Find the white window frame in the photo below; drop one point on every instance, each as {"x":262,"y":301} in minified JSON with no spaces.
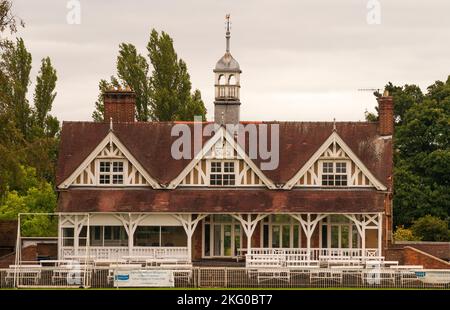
{"x":111,"y":174}
{"x":351,"y":227}
{"x":222,"y":173}
{"x":334,"y":173}
{"x":211,"y":224}
{"x":292,"y":222}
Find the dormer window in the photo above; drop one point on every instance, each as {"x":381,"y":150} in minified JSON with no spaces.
{"x":222,"y":173}
{"x":111,"y":172}
{"x":334,"y":173}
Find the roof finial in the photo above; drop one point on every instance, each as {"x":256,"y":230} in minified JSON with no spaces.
{"x":334,"y":124}
{"x":110,"y":124}
{"x":228,"y":35}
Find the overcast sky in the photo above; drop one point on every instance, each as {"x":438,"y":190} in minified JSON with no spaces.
{"x":301,"y":60}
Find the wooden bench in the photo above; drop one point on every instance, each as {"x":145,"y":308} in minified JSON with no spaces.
{"x":343,"y":262}
{"x":264,"y":274}
{"x":302,"y":263}
{"x":407,"y":273}
{"x":264,"y":260}
{"x":107,"y":262}
{"x":24,"y":272}
{"x":73,"y":276}
{"x":322,"y":274}
{"x":375,"y":276}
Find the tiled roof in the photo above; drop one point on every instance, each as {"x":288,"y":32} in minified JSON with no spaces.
{"x":150,"y":143}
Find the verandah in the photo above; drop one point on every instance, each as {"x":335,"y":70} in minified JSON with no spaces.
{"x":119,"y":235}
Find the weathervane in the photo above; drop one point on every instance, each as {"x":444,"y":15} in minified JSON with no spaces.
{"x":228,"y":35}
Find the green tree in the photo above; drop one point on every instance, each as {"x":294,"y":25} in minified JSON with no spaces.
{"x":7,"y":18}
{"x":44,"y":95}
{"x":33,"y":196}
{"x":422,"y":151}
{"x":404,"y":97}
{"x":103,"y":85}
{"x":170,"y":81}
{"x":404,"y":234}
{"x":195,"y":107}
{"x":28,"y":135}
{"x":15,"y":67}
{"x":132,"y":69}
{"x":165,"y":95}
{"x":431,"y":228}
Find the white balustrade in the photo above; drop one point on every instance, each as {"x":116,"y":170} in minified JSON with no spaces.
{"x":317,"y":252}
{"x":180,"y":253}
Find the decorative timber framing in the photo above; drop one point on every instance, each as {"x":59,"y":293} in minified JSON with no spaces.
{"x":75,"y":221}
{"x":130,"y":222}
{"x":312,"y":166}
{"x":224,"y":137}
{"x":368,"y":221}
{"x":103,"y":151}
{"x":308,"y":225}
{"x":189,"y":225}
{"x":249,"y":225}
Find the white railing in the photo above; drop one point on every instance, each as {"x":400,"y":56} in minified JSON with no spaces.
{"x":233,"y":277}
{"x":113,"y":253}
{"x":316,"y":253}
{"x":161,"y":252}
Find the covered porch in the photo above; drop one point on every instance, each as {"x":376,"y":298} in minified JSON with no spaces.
{"x":187,"y":237}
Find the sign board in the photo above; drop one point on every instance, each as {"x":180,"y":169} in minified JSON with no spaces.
{"x":434,"y":276}
{"x":143,"y":278}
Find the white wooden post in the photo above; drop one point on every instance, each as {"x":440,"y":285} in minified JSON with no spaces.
{"x":59,"y":238}
{"x":78,"y":226}
{"x":363,"y":237}
{"x":368,"y":221}
{"x":361,"y":227}
{"x":380,"y":232}
{"x":88,"y":253}
{"x":189,"y":226}
{"x":128,"y":229}
{"x":308,"y":227}
{"x":75,"y":235}
{"x":130,"y":225}
{"x":18,"y":259}
{"x":249,"y":226}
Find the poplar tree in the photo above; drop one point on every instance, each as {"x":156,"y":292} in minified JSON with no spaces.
{"x":165,"y":94}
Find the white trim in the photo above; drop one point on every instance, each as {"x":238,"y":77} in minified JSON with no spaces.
{"x":189,"y":225}
{"x":334,"y":137}
{"x":221,"y":133}
{"x":249,"y":226}
{"x":110,"y":138}
{"x":234,"y":223}
{"x":270,"y":224}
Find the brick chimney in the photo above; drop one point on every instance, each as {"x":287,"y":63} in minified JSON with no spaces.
{"x":386,"y":115}
{"x":119,"y":105}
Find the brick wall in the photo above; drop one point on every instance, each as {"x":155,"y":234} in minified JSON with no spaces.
{"x":31,"y":253}
{"x":438,"y":249}
{"x":119,"y":106}
{"x":411,"y":256}
{"x":28,"y":254}
{"x":386,"y":115}
{"x":197,"y":242}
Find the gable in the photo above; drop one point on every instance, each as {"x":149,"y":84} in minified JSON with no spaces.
{"x":150,"y":144}
{"x":333,"y":151}
{"x":109,"y":164}
{"x":221,"y":148}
